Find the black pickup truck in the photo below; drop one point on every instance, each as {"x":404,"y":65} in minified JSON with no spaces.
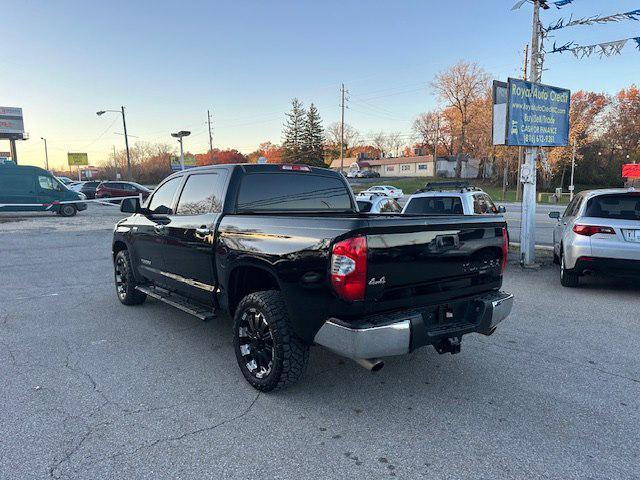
{"x":284,"y":251}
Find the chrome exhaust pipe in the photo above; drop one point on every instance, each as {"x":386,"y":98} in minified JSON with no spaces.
{"x":371,"y":364}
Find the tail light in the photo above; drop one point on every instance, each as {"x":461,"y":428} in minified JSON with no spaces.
{"x":296,"y":168}
{"x":588,"y":230}
{"x":349,"y":268}
{"x":505,"y":249}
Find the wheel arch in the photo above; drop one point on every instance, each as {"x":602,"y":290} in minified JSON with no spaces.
{"x":248,"y":278}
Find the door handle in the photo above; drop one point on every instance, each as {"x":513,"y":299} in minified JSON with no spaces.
{"x":203,"y":232}
{"x":160,"y":229}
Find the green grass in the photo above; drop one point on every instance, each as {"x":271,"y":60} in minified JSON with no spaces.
{"x":410,"y":185}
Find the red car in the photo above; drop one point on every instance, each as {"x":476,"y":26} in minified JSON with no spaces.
{"x":121,"y":189}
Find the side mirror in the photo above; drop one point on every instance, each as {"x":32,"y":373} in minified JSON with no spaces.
{"x":130,"y":205}
{"x":555,"y":215}
{"x":502,"y":209}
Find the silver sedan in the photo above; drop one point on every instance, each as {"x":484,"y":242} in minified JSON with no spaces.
{"x":599,"y":232}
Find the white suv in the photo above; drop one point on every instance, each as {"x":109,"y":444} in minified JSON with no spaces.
{"x":599,"y":232}
{"x":451,"y":198}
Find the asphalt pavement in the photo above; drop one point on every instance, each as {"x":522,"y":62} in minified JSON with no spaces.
{"x":92,"y":389}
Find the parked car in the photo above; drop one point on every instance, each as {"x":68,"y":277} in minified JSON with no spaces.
{"x":367,"y":174}
{"x":89,"y":188}
{"x":377,"y":204}
{"x":121,"y":189}
{"x":386,"y":190}
{"x":598,"y":233}
{"x":75,"y":186}
{"x":34,"y":189}
{"x":451,"y":198}
{"x":65,"y":180}
{"x":284,"y":251}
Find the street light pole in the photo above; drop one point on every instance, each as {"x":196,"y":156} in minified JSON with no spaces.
{"x":573,"y":167}
{"x":180,"y":135}
{"x":46,"y":154}
{"x":126,"y":137}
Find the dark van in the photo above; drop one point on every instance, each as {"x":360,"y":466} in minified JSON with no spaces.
{"x":33,"y":189}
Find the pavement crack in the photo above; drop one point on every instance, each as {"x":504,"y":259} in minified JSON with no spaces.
{"x":177,"y":438}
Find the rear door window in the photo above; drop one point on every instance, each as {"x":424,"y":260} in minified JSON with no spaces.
{"x":202,"y":194}
{"x":162,"y":200}
{"x":618,"y":207}
{"x":435,"y":206}
{"x":293,"y":192}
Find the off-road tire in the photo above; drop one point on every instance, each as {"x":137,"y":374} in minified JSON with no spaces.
{"x":125,"y":280}
{"x":568,"y":278}
{"x":289,"y":353}
{"x":67,"y":210}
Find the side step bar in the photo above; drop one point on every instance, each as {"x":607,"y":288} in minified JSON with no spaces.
{"x":178,"y":301}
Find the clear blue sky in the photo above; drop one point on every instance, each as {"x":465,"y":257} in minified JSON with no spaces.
{"x":167,"y":62}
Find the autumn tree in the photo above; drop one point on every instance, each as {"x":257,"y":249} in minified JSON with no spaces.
{"x":623,"y":121}
{"x":293,"y":132}
{"x":460,"y":87}
{"x":312,"y":149}
{"x":585,"y":120}
{"x":268,"y":150}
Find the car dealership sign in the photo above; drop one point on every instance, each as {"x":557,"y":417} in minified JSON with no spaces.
{"x":11,"y":122}
{"x":537,"y":115}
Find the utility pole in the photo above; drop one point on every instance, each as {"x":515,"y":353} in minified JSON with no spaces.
{"x":528,"y":171}
{"x":342,"y":131}
{"x":520,"y":149}
{"x":573,"y":167}
{"x":210,"y":135}
{"x":46,"y":154}
{"x":126,"y":144}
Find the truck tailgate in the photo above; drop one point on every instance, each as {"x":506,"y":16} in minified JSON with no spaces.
{"x":417,"y":260}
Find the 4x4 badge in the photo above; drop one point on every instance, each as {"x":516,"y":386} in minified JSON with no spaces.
{"x":382,"y":281}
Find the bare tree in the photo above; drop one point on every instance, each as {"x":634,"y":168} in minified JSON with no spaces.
{"x":381,"y":142}
{"x":351,"y":138}
{"x":395,"y":141}
{"x":460,"y":87}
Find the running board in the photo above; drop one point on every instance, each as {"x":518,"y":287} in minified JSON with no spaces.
{"x":178,"y":301}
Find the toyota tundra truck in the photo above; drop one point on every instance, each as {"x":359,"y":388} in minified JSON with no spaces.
{"x":285,"y":252}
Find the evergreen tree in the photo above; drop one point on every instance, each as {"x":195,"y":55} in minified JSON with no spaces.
{"x":313,"y":139}
{"x":293,"y":132}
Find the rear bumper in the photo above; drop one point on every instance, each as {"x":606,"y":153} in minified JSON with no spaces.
{"x":607,"y":266}
{"x":402,"y":332}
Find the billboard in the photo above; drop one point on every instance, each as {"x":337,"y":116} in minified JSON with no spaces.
{"x":78,"y":159}
{"x":11,"y":123}
{"x":499,"y":119}
{"x":537,"y":115}
{"x":189,"y":162}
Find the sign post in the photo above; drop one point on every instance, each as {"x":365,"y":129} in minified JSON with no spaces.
{"x":77,"y":159}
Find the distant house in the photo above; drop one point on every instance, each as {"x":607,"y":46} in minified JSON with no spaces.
{"x":416,"y":166}
{"x":420,"y":166}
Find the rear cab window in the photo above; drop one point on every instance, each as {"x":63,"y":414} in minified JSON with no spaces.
{"x":297,"y":192}
{"x":440,"y":205}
